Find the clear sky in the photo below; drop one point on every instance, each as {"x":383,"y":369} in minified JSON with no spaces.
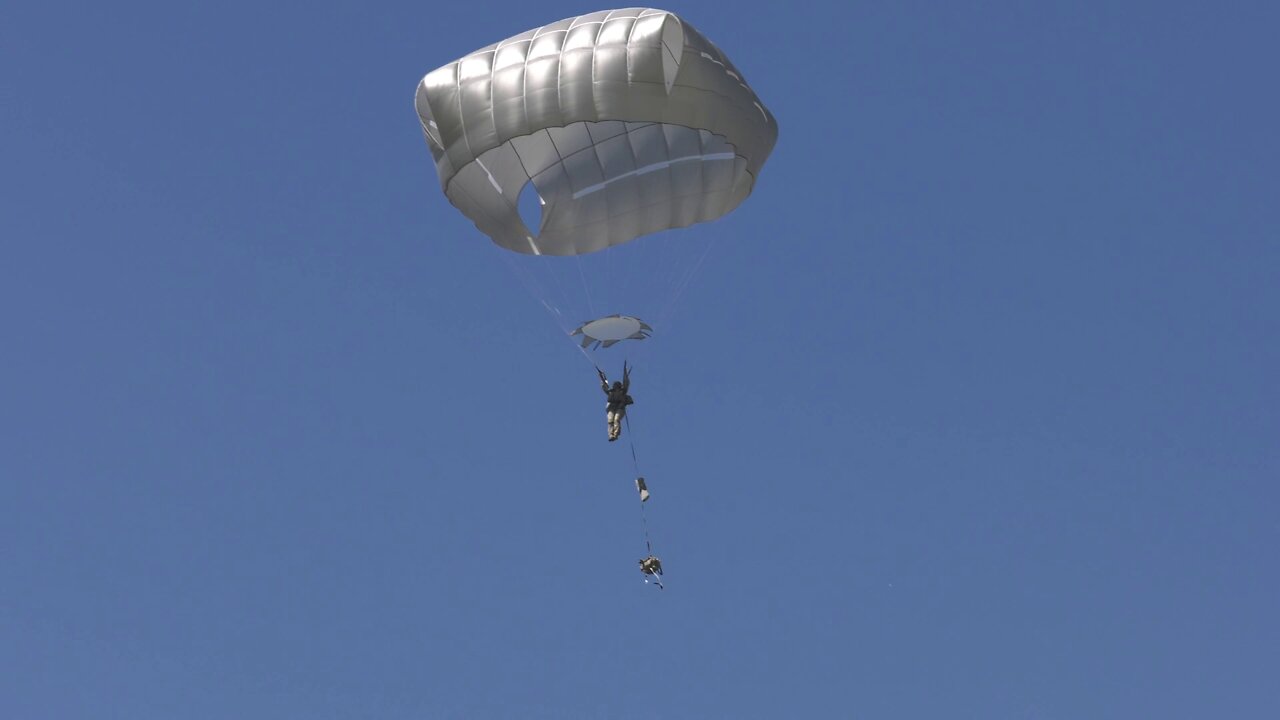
{"x":972,"y":411}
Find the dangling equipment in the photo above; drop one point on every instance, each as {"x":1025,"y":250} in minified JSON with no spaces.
{"x":651,"y":566}
{"x":652,"y":569}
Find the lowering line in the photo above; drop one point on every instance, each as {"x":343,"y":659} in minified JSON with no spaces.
{"x":631,"y":440}
{"x":635,"y":465}
{"x":651,"y":566}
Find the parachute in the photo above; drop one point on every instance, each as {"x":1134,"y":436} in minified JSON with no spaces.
{"x":568,"y":142}
{"x":623,"y":122}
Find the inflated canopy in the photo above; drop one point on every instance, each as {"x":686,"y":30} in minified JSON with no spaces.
{"x":623,"y":122}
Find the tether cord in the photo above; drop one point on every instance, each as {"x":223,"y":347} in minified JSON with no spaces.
{"x":635,"y":464}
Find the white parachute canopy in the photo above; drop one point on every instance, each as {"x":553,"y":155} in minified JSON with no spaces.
{"x":566,"y":142}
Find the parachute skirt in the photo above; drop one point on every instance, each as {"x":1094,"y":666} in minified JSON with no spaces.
{"x":611,"y":330}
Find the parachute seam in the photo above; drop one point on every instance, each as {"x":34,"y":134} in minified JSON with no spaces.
{"x":595,"y":153}
{"x":528,"y":181}
{"x":559,"y":70}
{"x":635,"y":162}
{"x":493,"y":64}
{"x":524,"y":98}
{"x":631,"y":34}
{"x":559,"y":159}
{"x":462,"y":117}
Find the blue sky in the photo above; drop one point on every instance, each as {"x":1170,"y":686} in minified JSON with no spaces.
{"x":970,"y":413}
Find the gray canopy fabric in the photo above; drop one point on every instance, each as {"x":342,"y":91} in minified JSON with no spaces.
{"x":624,"y":122}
